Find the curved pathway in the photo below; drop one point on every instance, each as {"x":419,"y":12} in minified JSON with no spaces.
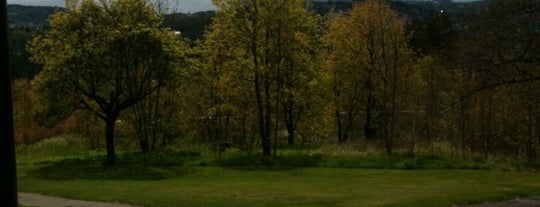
{"x":533,"y":201}
{"x":38,"y":200}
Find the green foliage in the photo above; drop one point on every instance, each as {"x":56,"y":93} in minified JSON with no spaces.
{"x":260,"y":72}
{"x":94,"y":72}
{"x":51,"y":149}
{"x":256,"y":80}
{"x":103,"y":58}
{"x":369,"y":62}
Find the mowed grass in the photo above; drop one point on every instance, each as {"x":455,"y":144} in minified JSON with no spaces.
{"x":187,"y":179}
{"x":216,"y":186}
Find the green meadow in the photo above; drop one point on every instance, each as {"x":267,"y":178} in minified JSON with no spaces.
{"x":186,"y":177}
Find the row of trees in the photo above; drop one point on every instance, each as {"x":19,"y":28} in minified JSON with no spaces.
{"x":270,"y":72}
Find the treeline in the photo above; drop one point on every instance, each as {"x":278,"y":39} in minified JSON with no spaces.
{"x":270,"y":73}
{"x":26,"y":21}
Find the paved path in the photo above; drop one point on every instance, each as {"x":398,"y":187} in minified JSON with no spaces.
{"x":38,"y":200}
{"x":518,"y":202}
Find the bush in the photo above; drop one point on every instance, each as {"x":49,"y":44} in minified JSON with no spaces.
{"x":56,"y":147}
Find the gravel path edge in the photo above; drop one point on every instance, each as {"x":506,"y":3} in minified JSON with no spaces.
{"x":39,"y":200}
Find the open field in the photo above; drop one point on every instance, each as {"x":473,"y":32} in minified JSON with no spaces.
{"x":187,"y":179}
{"x":215,"y":186}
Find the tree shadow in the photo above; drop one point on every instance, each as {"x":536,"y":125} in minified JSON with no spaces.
{"x":277,"y":163}
{"x":94,"y":169}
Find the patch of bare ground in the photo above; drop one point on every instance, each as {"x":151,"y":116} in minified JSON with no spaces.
{"x":533,"y":201}
{"x":38,"y":200}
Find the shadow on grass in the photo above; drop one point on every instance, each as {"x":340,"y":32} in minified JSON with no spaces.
{"x":134,"y":166}
{"x":397,"y":161}
{"x":405,"y":162}
{"x":277,"y":163}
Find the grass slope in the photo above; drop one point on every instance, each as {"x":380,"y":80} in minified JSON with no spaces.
{"x":215,"y":186}
{"x":189,"y":179}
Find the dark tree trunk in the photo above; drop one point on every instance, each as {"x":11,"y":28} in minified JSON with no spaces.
{"x":263,"y":115}
{"x":290,"y":128}
{"x":463,"y":108}
{"x":291,"y":120}
{"x":370,"y":131}
{"x":9,"y":175}
{"x":337,"y":112}
{"x":349,"y":128}
{"x":267,"y":141}
{"x":144,"y":144}
{"x":109,"y":140}
{"x":291,"y":137}
{"x":339,"y":127}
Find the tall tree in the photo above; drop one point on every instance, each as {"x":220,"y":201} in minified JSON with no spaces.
{"x":7,"y":161}
{"x":271,"y":44}
{"x":101,"y":57}
{"x":498,"y":58}
{"x":371,"y":45}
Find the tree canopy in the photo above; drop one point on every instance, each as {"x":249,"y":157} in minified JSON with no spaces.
{"x":272,"y":47}
{"x":104,"y":58}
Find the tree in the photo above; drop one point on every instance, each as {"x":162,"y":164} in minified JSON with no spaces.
{"x":370,"y":53}
{"x":498,"y":58}
{"x":502,"y":44}
{"x":8,"y":146}
{"x":21,"y":66}
{"x":433,"y":34}
{"x":271,"y":52}
{"x":101,"y":57}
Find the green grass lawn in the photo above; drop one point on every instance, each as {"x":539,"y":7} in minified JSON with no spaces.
{"x":215,"y":186}
{"x":190,"y":179}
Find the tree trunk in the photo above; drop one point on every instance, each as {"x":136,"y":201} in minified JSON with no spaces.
{"x":267,"y":140}
{"x":531,"y":144}
{"x":370,"y":132}
{"x":109,"y":140}
{"x":144,"y":144}
{"x":337,"y":112}
{"x":290,"y":121}
{"x":349,"y":128}
{"x":339,"y":126}
{"x":9,"y":175}
{"x":462,"y":127}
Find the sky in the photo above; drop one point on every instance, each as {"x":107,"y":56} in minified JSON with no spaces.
{"x":184,"y":6}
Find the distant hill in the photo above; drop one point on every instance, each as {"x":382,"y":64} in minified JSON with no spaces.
{"x":192,"y":25}
{"x":411,"y":9}
{"x":19,"y":15}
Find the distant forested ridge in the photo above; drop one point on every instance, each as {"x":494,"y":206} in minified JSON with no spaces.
{"x":193,"y":24}
{"x":19,"y":15}
{"x":25,"y":21}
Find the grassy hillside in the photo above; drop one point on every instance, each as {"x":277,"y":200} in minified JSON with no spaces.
{"x":188,"y":177}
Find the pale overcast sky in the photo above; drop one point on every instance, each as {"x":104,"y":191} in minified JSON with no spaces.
{"x":182,"y":5}
{"x":178,"y":5}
